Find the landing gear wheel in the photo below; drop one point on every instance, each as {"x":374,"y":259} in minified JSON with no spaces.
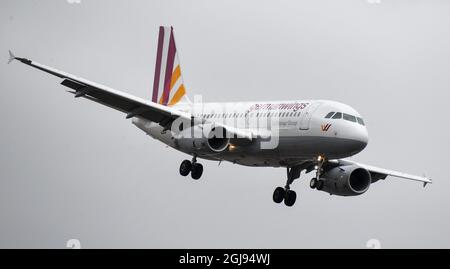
{"x":278,"y":195}
{"x":196,"y":171}
{"x":289,"y":198}
{"x":313,"y":183}
{"x":319,"y":185}
{"x":185,"y":167}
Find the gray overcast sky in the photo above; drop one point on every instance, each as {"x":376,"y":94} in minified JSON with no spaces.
{"x":74,"y":169}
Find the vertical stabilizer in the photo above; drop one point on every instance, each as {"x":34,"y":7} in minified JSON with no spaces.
{"x":168,"y":85}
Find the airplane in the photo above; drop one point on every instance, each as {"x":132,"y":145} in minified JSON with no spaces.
{"x":297,"y":135}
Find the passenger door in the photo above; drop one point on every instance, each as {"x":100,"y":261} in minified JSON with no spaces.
{"x":305,"y":119}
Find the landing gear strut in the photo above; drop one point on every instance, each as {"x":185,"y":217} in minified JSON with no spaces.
{"x":289,"y":196}
{"x":196,"y":169}
{"x":317,"y":182}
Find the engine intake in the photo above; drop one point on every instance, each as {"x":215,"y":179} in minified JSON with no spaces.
{"x":194,"y":139}
{"x":347,"y":180}
{"x":218,"y":140}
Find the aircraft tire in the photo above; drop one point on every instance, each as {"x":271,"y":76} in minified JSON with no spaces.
{"x":197,"y":171}
{"x":319,"y":185}
{"x":289,"y":198}
{"x":185,"y":167}
{"x":278,"y":195}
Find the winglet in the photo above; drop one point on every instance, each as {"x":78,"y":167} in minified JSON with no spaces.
{"x":11,"y":57}
{"x":425,"y":183}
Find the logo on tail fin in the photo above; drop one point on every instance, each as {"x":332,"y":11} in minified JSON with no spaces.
{"x":168,"y":86}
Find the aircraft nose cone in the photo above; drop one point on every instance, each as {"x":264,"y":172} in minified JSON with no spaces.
{"x":358,"y":140}
{"x":363,"y":139}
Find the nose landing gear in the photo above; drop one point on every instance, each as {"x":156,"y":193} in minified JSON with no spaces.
{"x":317,"y":182}
{"x":196,"y":169}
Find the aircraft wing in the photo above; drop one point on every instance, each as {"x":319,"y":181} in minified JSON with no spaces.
{"x":131,"y":105}
{"x":381,"y":173}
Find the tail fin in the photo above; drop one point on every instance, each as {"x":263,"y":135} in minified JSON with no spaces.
{"x":168,"y":85}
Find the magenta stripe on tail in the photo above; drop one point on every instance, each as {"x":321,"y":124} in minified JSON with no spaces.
{"x":169,"y":68}
{"x":158,"y":65}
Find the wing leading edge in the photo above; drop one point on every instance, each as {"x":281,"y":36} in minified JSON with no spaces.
{"x":381,"y":173}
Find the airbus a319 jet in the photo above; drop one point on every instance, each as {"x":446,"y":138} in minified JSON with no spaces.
{"x":298,"y":135}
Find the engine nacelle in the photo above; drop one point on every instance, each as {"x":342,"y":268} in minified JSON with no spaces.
{"x":347,"y":180}
{"x":205,"y":139}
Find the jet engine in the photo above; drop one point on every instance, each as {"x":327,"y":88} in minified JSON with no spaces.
{"x":203,"y":138}
{"x":347,"y":180}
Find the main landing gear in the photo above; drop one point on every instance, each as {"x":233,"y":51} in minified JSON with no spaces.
{"x":289,"y":196}
{"x":192,"y":167}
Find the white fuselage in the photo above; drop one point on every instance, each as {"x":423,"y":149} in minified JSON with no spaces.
{"x":293,"y":131}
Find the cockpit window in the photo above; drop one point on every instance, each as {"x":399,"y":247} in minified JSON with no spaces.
{"x":349,"y":117}
{"x":338,"y":115}
{"x":360,"y":121}
{"x":329,"y":115}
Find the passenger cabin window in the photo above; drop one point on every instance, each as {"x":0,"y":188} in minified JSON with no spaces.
{"x":329,"y":115}
{"x":338,"y":115}
{"x":349,"y":117}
